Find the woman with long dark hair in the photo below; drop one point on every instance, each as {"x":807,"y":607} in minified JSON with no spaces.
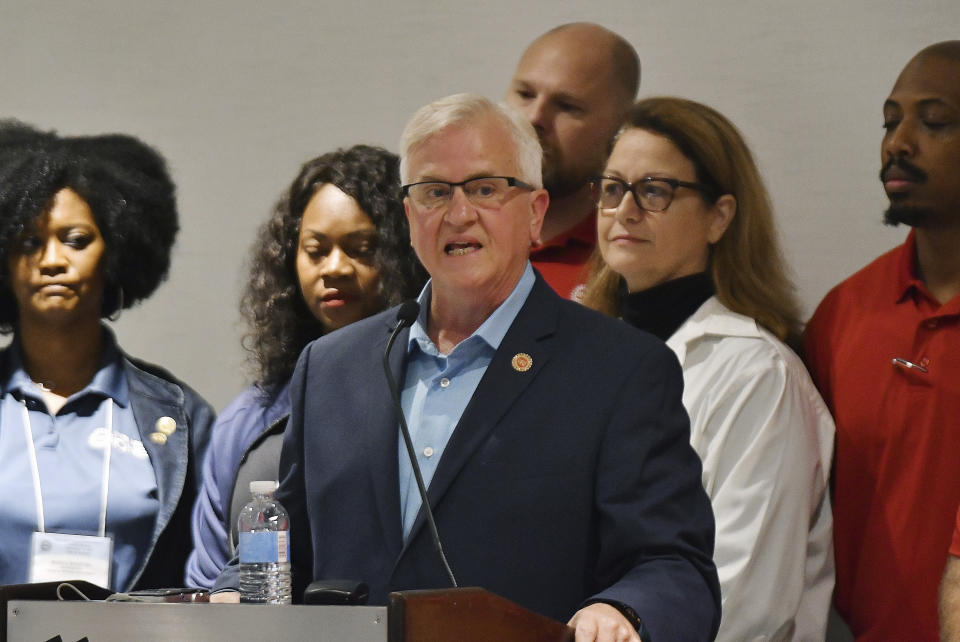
{"x":335,"y":251}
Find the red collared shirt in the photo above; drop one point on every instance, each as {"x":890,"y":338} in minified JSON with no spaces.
{"x":562,"y":261}
{"x":896,"y":476}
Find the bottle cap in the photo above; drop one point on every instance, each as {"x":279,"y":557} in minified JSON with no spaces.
{"x":267,"y":486}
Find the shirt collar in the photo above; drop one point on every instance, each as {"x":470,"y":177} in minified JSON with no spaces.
{"x":491,"y":331}
{"x":909,"y":285}
{"x":108,"y":381}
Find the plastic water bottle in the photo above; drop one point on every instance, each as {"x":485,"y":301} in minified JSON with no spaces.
{"x":264,"y":547}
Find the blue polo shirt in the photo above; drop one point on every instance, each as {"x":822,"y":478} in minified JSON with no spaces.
{"x":70,"y":447}
{"x":437,"y":388}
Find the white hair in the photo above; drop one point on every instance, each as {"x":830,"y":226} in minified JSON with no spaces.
{"x":458,"y":109}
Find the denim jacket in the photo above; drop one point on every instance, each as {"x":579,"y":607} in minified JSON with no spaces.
{"x":155,"y":393}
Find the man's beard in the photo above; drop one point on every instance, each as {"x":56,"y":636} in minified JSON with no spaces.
{"x":906,"y":214}
{"x":898,"y":213}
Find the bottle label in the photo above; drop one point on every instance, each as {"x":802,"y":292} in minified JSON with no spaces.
{"x":270,"y":547}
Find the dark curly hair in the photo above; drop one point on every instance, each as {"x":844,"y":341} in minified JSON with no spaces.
{"x":124,"y":181}
{"x":280,"y":324}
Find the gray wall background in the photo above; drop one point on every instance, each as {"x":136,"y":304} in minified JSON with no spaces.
{"x":238,"y":94}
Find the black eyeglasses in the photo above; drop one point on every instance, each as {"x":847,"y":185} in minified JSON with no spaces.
{"x":488,"y":192}
{"x":652,"y":193}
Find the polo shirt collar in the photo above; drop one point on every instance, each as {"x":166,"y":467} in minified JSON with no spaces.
{"x":909,"y":284}
{"x":108,"y":381}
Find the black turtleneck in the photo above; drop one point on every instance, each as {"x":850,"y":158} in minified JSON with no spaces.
{"x":663,"y":308}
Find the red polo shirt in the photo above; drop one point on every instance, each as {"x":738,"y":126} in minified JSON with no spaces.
{"x":563,"y":259}
{"x":897,"y":471}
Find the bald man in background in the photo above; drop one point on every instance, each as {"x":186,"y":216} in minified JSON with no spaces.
{"x":575,"y":84}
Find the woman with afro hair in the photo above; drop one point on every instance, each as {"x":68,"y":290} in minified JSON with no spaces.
{"x":98,"y":451}
{"x":335,"y":250}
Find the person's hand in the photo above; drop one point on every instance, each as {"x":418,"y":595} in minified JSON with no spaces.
{"x":601,"y":622}
{"x":225,"y":597}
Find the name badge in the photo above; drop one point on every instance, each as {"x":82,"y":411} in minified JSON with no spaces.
{"x":56,"y":557}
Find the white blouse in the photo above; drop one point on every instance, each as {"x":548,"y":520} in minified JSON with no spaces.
{"x":766,"y":441}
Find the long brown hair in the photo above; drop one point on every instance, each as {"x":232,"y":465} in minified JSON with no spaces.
{"x":747,"y":265}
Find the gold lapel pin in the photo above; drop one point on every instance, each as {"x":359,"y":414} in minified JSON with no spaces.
{"x":521,"y":362}
{"x":166,"y":425}
{"x":158,"y":438}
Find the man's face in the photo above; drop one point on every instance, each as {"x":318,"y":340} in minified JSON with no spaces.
{"x":472,"y":253}
{"x":921,"y":147}
{"x":566,"y":89}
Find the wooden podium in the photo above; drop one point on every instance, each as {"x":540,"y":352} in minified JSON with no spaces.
{"x":467,"y":615}
{"x":461,"y":615}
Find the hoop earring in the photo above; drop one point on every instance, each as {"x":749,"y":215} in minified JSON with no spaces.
{"x":115,"y":315}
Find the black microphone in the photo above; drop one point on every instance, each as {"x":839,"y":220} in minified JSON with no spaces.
{"x":406,"y":315}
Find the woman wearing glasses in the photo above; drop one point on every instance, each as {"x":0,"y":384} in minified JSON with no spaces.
{"x":335,"y":251}
{"x":687,"y":250}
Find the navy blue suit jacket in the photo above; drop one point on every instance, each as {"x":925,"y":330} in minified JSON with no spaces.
{"x":570,"y":482}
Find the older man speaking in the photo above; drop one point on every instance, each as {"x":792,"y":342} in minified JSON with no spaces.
{"x":552,"y":440}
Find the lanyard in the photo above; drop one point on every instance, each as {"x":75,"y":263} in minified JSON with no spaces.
{"x":35,"y":468}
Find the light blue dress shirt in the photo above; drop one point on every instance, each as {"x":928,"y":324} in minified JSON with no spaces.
{"x":437,"y":388}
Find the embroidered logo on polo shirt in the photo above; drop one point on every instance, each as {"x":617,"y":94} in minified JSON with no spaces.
{"x":121,"y":443}
{"x":577,"y":293}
